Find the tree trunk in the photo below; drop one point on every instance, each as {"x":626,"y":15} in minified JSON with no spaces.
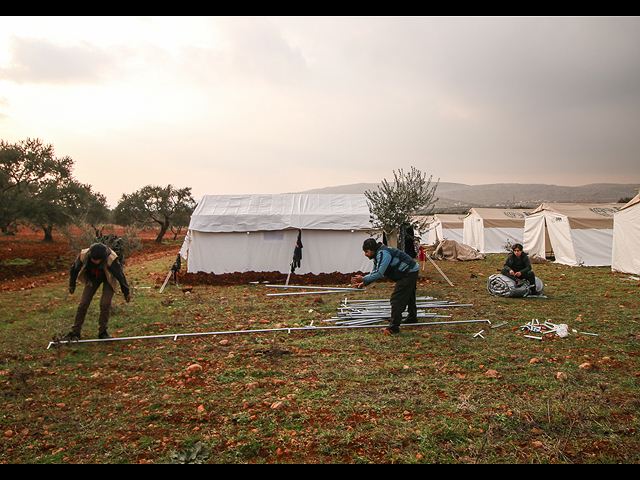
{"x":48,"y":233}
{"x":164,"y":226}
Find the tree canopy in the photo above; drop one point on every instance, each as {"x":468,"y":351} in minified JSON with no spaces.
{"x":153,"y":204}
{"x":396,"y":203}
{"x":38,"y":187}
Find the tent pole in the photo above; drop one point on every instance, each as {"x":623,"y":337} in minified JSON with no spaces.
{"x":441,"y":272}
{"x":284,"y":329}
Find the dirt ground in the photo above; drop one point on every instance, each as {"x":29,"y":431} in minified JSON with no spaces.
{"x":28,"y":262}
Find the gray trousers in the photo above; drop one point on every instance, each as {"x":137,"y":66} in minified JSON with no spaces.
{"x":105,"y":306}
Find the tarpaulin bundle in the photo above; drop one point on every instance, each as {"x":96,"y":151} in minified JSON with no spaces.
{"x":502,"y":286}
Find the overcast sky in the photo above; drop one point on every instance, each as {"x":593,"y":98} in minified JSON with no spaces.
{"x":274,"y":105}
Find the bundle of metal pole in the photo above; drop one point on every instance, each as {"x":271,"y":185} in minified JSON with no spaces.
{"x":310,"y":287}
{"x":314,"y":290}
{"x":362,"y":320}
{"x":264,"y":330}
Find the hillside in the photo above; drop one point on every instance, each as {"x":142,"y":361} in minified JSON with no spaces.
{"x":460,"y":197}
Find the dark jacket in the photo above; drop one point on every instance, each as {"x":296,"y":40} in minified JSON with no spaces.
{"x":522,"y":264}
{"x":109,"y":270}
{"x":392,"y":263}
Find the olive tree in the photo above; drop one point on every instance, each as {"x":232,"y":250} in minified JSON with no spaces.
{"x":37,"y":187}
{"x":395,"y":204}
{"x":155,"y":205}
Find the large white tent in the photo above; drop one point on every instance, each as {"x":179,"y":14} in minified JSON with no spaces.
{"x":577,"y":233}
{"x":245,"y":233}
{"x":625,"y":256}
{"x":491,"y":230}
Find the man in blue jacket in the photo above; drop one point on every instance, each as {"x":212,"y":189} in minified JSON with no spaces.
{"x":402,"y":269}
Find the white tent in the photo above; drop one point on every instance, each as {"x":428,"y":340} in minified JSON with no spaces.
{"x":244,"y":233}
{"x":490,"y":230}
{"x":625,"y":255}
{"x":443,"y":226}
{"x":578,"y":234}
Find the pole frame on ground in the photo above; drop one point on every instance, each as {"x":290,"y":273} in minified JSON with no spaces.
{"x":264,"y":330}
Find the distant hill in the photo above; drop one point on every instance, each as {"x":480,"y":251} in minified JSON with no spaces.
{"x":458,"y":197}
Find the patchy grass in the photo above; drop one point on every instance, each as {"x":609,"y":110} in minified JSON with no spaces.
{"x":433,"y":394}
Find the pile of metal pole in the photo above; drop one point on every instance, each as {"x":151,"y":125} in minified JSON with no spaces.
{"x":363,"y":312}
{"x":313,"y":290}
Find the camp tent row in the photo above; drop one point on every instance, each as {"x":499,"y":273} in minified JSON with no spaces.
{"x":488,"y":230}
{"x":241,"y":233}
{"x":575,"y":234}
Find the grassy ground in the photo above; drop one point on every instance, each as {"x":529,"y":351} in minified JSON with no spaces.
{"x":433,"y":394}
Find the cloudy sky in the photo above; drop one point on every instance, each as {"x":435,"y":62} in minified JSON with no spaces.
{"x":273,"y":105}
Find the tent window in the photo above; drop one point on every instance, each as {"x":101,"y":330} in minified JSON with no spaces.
{"x":273,"y":236}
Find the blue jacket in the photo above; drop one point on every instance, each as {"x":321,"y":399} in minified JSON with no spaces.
{"x":392,"y":263}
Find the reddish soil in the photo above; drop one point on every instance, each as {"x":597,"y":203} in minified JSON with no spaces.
{"x":36,"y":263}
{"x":33,"y":263}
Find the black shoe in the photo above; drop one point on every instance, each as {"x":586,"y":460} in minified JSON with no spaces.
{"x":70,"y":337}
{"x":104,"y":336}
{"x":410,"y":320}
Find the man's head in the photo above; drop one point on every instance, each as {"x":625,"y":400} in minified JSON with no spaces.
{"x":370,"y":247}
{"x":98,"y":252}
{"x":517,"y":249}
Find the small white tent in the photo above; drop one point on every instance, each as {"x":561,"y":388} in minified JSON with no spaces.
{"x":578,"y":234}
{"x":490,"y":230}
{"x":447,"y":226}
{"x":244,"y":233}
{"x":625,"y":256}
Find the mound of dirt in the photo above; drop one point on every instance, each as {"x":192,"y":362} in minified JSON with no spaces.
{"x":276,"y":278}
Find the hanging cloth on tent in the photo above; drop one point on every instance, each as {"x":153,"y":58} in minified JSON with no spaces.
{"x":175,"y":268}
{"x":297,"y":253}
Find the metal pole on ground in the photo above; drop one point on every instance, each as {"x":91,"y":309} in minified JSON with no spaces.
{"x":264,"y":330}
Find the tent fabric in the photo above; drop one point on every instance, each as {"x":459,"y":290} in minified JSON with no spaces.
{"x":442,"y":226}
{"x":578,"y":234}
{"x":252,"y":213}
{"x":491,"y":230}
{"x":452,"y":250}
{"x":502,"y":286}
{"x":625,"y":255}
{"x":243,"y":233}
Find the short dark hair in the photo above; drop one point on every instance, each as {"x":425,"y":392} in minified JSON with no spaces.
{"x":97,"y":251}
{"x":518,"y":246}
{"x":370,"y":244}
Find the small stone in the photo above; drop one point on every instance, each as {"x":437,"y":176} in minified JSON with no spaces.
{"x":194,"y":368}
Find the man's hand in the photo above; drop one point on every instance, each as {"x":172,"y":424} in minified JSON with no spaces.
{"x":71,"y":290}
{"x":128,"y":298}
{"x":357,"y":281}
